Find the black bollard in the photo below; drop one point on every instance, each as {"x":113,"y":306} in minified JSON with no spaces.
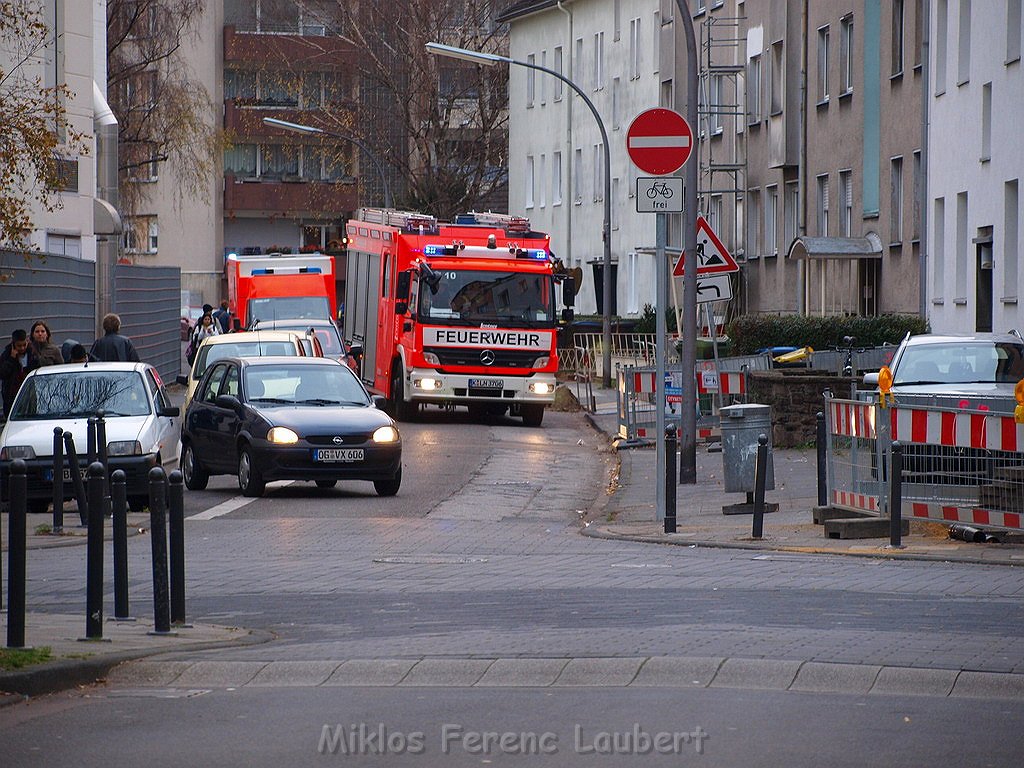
{"x":58,"y":479}
{"x":896,"y":497}
{"x":16,"y":544}
{"x":158,"y":534}
{"x":822,"y":458}
{"x":176,"y":525}
{"x":119,"y":502}
{"x":94,"y":556}
{"x":90,"y":441}
{"x":76,"y":478}
{"x":760,"y":478}
{"x":670,"y":478}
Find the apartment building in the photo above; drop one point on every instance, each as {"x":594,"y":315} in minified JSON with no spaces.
{"x":975,"y":166}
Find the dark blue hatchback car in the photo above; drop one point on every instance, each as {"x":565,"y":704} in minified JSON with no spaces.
{"x":288,"y":418}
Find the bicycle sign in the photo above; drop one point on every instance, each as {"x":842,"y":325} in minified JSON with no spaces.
{"x":656,"y":194}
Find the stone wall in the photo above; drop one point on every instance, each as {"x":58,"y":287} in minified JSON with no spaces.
{"x":795,"y":396}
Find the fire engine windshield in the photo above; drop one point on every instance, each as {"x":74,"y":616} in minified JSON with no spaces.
{"x":463,"y":297}
{"x":289,"y":308}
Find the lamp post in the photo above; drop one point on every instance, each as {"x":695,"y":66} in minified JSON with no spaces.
{"x":490,"y":59}
{"x":309,"y":130}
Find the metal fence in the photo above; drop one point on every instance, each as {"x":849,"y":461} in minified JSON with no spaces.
{"x":959,"y":465}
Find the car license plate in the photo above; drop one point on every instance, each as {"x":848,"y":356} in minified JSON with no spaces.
{"x":48,"y":474}
{"x":338,"y":454}
{"x":487,"y":383}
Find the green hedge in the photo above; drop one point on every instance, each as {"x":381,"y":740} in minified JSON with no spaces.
{"x":753,"y":332}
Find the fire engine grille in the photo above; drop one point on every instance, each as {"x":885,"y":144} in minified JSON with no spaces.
{"x":503,"y":358}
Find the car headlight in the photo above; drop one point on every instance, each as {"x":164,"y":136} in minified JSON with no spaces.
{"x":541,"y":388}
{"x":12,"y":452}
{"x":124,"y":448}
{"x":282,"y":436}
{"x":385,"y":435}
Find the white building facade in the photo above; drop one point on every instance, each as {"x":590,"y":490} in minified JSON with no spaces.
{"x":975,"y":166}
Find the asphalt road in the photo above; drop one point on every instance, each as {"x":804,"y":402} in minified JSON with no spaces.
{"x":480,"y":557}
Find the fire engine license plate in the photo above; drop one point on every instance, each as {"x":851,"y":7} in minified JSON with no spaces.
{"x":338,"y":454}
{"x":487,"y":383}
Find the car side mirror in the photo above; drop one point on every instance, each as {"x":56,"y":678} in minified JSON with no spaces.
{"x":355,"y":351}
{"x":183,"y":380}
{"x":871,"y":379}
{"x":380,"y":402}
{"x":171,"y":410}
{"x":568,"y":291}
{"x":228,"y":401}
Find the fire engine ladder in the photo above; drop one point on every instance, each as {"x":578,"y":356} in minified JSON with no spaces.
{"x":722,"y":119}
{"x":506,"y":221}
{"x":389,"y":217}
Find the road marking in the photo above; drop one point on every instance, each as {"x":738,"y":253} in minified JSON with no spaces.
{"x":237,"y":502}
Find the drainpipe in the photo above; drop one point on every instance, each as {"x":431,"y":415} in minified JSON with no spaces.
{"x":107,"y":221}
{"x":801,"y":227}
{"x":567,"y":200}
{"x":922,"y":195}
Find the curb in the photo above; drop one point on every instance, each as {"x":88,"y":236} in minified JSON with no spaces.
{"x":71,"y":673}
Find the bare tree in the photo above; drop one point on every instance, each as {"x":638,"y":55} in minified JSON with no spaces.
{"x":34,"y":136}
{"x":164,"y":115}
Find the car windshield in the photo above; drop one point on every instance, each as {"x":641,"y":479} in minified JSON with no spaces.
{"x":210,"y":353}
{"x":305,"y":384}
{"x":961,"y":362}
{"x":280,"y":307}
{"x":464,"y":297}
{"x":81,"y":393}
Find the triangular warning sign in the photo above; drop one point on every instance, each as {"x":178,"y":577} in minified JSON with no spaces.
{"x":713,"y":256}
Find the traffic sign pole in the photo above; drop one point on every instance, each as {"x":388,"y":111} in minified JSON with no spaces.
{"x":661,"y":300}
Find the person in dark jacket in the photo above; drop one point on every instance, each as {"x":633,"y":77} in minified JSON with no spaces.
{"x":113,"y":347}
{"x":17,"y":360}
{"x":223,"y":317}
{"x":47,"y":352}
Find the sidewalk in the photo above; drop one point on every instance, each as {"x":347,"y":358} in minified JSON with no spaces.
{"x":628,"y":511}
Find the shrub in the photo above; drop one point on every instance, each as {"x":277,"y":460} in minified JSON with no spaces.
{"x":750,"y":333}
{"x":648,"y":320}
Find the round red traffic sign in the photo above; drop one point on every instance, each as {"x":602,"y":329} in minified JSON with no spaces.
{"x":659,"y":141}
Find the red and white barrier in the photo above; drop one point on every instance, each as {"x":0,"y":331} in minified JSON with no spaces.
{"x":954,"y":514}
{"x":957,"y":429}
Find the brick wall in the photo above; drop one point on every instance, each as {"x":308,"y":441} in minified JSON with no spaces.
{"x":795,"y":397}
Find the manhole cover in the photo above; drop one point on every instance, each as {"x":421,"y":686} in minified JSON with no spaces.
{"x":428,"y":560}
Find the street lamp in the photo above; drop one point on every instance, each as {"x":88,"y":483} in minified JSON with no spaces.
{"x":309,"y":130}
{"x":490,"y":59}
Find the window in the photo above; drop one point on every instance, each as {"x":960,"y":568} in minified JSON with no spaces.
{"x":616,"y":104}
{"x":941,"y":44}
{"x":754,"y":89}
{"x":239,"y":84}
{"x":615,"y":196}
{"x":130,"y":237}
{"x":598,"y":173}
{"x":823,"y":64}
{"x":577,"y":69}
{"x":152,"y":236}
{"x":986,"y":122}
{"x":846,"y":193}
{"x":771,"y":217}
{"x":64,"y":245}
{"x":714,"y":105}
{"x":240,"y":160}
{"x":918,"y":181}
{"x":598,"y":61}
{"x":556,"y":65}
{"x":896,"y":200}
{"x":822,"y":219}
{"x":616,"y":20}
{"x":631,"y":176}
{"x":790,"y":212}
{"x":556,"y":178}
{"x":531,"y":80}
{"x":1011,"y":238}
{"x":543,"y":79}
{"x":278,"y":89}
{"x":897,"y":38}
{"x":753,"y":214}
{"x":278,"y":161}
{"x":312,"y":91}
{"x":634,"y":49}
{"x":529,"y":182}
{"x":1014,"y":30}
{"x":963,"y":71}
{"x":542,"y":178}
{"x":939,"y":250}
{"x":846,"y":53}
{"x":577,"y":176}
{"x":918,"y":32}
{"x":775,"y":79}
{"x":715,"y":216}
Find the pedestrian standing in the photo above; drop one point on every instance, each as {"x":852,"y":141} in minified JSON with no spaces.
{"x":47,"y":352}
{"x":205,"y":328}
{"x":17,"y":360}
{"x":223,"y":317}
{"x":113,"y":347}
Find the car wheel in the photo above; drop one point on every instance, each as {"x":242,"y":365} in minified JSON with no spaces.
{"x":326,"y":483}
{"x":532,"y":415}
{"x":137,"y":503}
{"x":390,"y":486}
{"x":38,"y":506}
{"x":250,"y":481}
{"x":400,"y":409}
{"x":196,"y":476}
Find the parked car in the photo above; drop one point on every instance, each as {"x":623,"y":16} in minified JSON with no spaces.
{"x":141,"y":425}
{"x":962,"y":371}
{"x":288,"y":418}
{"x":323,"y":330}
{"x":244,"y":344}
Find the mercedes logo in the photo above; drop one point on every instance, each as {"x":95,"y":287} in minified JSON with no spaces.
{"x":487,"y":357}
{"x":338,"y":440}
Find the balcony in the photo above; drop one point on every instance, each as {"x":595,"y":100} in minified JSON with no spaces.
{"x":246,"y":123}
{"x":303,"y":51}
{"x":267,"y":198}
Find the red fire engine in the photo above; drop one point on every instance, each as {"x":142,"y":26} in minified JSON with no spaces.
{"x":453,"y":314}
{"x":281,"y":287}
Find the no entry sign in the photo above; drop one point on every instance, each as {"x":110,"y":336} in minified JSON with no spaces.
{"x":659,"y":141}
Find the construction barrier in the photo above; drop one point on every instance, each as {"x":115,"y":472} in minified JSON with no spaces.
{"x":959,"y":465}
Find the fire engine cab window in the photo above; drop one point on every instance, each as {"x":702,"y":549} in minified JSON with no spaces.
{"x":469,"y":298}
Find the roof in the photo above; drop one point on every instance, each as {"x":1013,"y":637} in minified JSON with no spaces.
{"x":524,"y":8}
{"x":91,"y":366}
{"x":248,"y":362}
{"x":869,"y":247}
{"x":965,"y":338}
{"x":244,"y":336}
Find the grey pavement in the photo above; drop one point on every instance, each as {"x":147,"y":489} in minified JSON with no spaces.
{"x":466,"y":552}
